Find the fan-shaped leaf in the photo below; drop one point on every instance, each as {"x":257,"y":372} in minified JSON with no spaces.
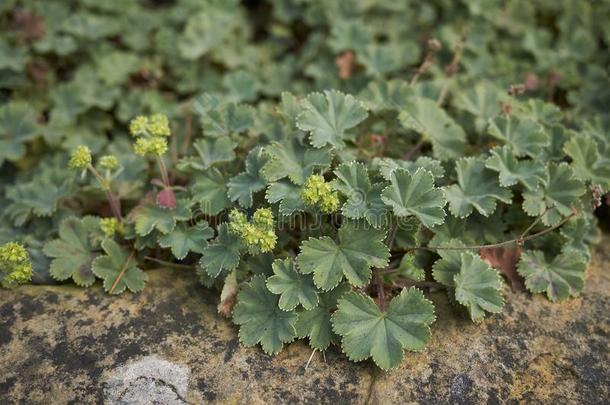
{"x":383,"y":335}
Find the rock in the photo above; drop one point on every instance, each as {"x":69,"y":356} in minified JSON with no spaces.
{"x":166,"y":345}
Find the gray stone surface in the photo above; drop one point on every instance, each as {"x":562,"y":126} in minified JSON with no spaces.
{"x":65,"y":344}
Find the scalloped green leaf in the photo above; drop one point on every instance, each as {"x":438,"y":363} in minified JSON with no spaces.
{"x":436,"y":126}
{"x":523,"y":135}
{"x":221,"y":254}
{"x":118,"y":269}
{"x":415,"y":195}
{"x":242,"y":186}
{"x":151,"y":217}
{"x":478,"y":287}
{"x":260,"y":319}
{"x":359,"y":248}
{"x":556,"y":197}
{"x":17,"y":126}
{"x":287,"y":194}
{"x":74,"y":251}
{"x":290,"y":158}
{"x":367,"y":331}
{"x":363,"y":199}
{"x":477,"y":188}
{"x":387,"y":95}
{"x":184,"y":239}
{"x":587,"y":162}
{"x":328,"y":116}
{"x":209,"y":190}
{"x":560,"y":278}
{"x":511,"y":171}
{"x":316,"y":324}
{"x":293,"y":287}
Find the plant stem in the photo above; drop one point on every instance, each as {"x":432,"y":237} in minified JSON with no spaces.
{"x":113,"y":201}
{"x":533,"y":224}
{"x":170,"y":264}
{"x":122,"y":273}
{"x":411,"y":152}
{"x":452,"y":69}
{"x":163,"y":170}
{"x":494,"y":245}
{"x":380,"y":291}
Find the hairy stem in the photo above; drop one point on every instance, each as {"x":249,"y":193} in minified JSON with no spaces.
{"x":122,"y":273}
{"x":163,"y":170}
{"x":517,"y":241}
{"x":113,"y":200}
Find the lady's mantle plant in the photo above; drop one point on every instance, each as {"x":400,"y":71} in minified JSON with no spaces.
{"x":324,"y":193}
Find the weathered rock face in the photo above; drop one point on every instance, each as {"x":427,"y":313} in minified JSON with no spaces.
{"x":168,"y":346}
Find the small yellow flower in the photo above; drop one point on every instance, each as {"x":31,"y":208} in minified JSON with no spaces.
{"x":237,"y":221}
{"x":319,"y":193}
{"x":109,"y":226}
{"x":263,"y":217}
{"x":109,"y":162}
{"x":80,"y":158}
{"x":141,"y":146}
{"x":259,"y":234}
{"x":157,"y":146}
{"x":138,"y":125}
{"x":158,"y":125}
{"x":15,"y":265}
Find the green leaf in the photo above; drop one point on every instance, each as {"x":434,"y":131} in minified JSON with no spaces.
{"x":387,"y":95}
{"x":40,"y":197}
{"x":206,"y":30}
{"x":559,"y":192}
{"x":363,"y":199}
{"x":477,"y":188}
{"x":73,"y":251}
{"x":327,"y":116}
{"x":316,"y":324}
{"x":150,"y":217}
{"x":118,"y":269}
{"x":184,"y":239}
{"x":260,"y":318}
{"x":17,"y":126}
{"x":290,"y":158}
{"x":478,"y":287}
{"x":222,"y":253}
{"x":387,"y":165}
{"x":210,"y":190}
{"x":287,"y":194}
{"x":294,"y":288}
{"x":213,"y":150}
{"x":436,"y":126}
{"x":524,"y":136}
{"x":383,"y":335}
{"x":511,"y":171}
{"x":359,"y":248}
{"x":409,"y":269}
{"x":415,"y":194}
{"x":560,"y":278}
{"x":587,"y":161}
{"x":241,"y":187}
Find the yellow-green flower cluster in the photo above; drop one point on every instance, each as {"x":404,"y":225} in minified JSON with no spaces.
{"x":109,"y":162}
{"x":15,"y":265}
{"x":319,"y":193}
{"x":151,"y":133}
{"x":80,"y":158}
{"x":154,"y":125}
{"x":259,"y":234}
{"x":109,"y":226}
{"x":152,"y":146}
